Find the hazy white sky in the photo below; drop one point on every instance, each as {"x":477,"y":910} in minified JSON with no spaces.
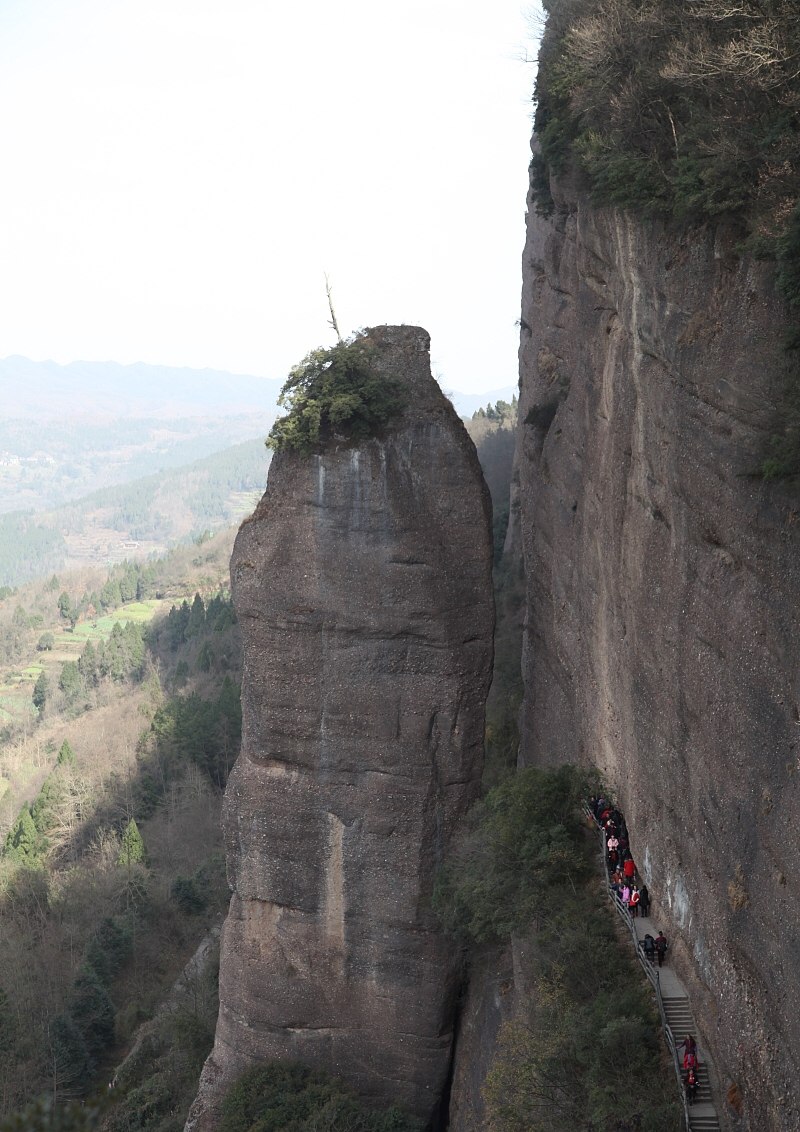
{"x":177,"y":175}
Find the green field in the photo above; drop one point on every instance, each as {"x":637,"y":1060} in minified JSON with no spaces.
{"x":100,"y":628}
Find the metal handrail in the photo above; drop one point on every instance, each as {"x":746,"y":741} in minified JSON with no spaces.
{"x":649,"y":970}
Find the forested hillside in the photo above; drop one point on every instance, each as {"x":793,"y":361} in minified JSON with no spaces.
{"x":144,"y":517}
{"x":119,"y":696}
{"x":45,"y":464}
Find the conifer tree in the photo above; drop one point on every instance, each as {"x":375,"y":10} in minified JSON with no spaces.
{"x":97,"y":961}
{"x":41,"y":810}
{"x":40,"y":690}
{"x":87,"y":665}
{"x":71,"y":1066}
{"x":197,"y":617}
{"x":92,"y":1011}
{"x":133,"y":850}
{"x":115,"y":937}
{"x":22,"y":841}
{"x":66,"y":756}
{"x":70,"y":680}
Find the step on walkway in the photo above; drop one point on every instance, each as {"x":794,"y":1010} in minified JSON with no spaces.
{"x":677,"y":1008}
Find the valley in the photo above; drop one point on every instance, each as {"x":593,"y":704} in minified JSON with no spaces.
{"x":115,"y":742}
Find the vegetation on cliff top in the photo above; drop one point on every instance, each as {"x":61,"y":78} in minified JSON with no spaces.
{"x":335,"y":392}
{"x":688,"y":109}
{"x":584,"y":1049}
{"x":680,"y":107}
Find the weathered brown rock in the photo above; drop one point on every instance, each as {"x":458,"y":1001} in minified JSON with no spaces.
{"x":363,"y":588}
{"x":663,"y":596}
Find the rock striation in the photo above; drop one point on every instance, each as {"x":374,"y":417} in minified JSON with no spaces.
{"x":363,"y":587}
{"x":663,"y":598}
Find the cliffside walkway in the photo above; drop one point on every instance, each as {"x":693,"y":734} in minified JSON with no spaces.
{"x":674,"y":1007}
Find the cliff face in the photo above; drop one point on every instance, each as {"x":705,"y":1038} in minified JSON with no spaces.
{"x":362,"y":584}
{"x":662,"y":600}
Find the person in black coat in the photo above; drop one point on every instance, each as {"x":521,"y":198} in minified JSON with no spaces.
{"x":661,"y":947}
{"x":649,"y":948}
{"x":691,"y":1085}
{"x":644,"y":901}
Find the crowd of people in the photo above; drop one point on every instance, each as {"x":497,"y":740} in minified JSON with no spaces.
{"x":636,"y":898}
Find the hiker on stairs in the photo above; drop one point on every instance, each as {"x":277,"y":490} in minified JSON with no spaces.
{"x":649,"y":948}
{"x":635,"y":901}
{"x":691,"y":1084}
{"x":661,"y":946}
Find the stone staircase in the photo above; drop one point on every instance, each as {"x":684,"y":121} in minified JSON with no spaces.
{"x":675,"y":1009}
{"x":702,"y":1114}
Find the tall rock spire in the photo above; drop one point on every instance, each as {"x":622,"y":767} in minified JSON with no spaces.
{"x":363,"y":587}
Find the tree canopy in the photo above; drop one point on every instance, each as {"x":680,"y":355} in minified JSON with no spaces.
{"x":335,"y":392}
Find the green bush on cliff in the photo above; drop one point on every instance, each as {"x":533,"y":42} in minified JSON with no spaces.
{"x":527,"y":843}
{"x":583,"y":1048}
{"x":334,"y":392}
{"x":288,"y":1095}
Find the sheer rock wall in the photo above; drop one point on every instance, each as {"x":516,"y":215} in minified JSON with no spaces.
{"x":662,"y":611}
{"x":363,"y":587}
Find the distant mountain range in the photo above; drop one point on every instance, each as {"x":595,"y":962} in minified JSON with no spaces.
{"x":66,"y":431}
{"x":108,"y":389}
{"x":47,"y":391}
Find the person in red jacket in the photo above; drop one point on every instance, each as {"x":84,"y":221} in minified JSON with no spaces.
{"x":634,"y":901}
{"x":629,"y":869}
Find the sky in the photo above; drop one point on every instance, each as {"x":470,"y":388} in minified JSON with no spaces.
{"x":179,"y":174}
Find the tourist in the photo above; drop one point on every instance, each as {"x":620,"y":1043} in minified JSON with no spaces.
{"x":644,"y":901}
{"x":626,"y":896}
{"x":691,"y":1085}
{"x":661,"y":946}
{"x":649,"y":948}
{"x":629,"y":869}
{"x":635,"y":901}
